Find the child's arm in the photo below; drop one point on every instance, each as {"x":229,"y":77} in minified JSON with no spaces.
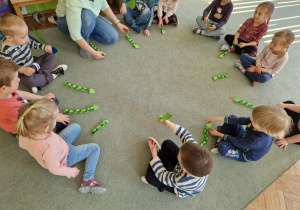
{"x":26,"y":71}
{"x":146,"y":31}
{"x":214,"y":119}
{"x":226,"y":16}
{"x":292,"y":107}
{"x":208,"y":9}
{"x":289,"y":140}
{"x":36,"y":45}
{"x":33,"y":97}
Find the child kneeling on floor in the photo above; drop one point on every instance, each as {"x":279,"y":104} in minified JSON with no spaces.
{"x":183,"y":171}
{"x":267,"y":122}
{"x":34,"y":72}
{"x":270,"y":61}
{"x":56,"y":152}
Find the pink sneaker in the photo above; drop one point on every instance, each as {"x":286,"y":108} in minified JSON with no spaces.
{"x":91,"y":186}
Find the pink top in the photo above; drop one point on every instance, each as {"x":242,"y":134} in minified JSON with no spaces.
{"x":9,"y":112}
{"x":269,"y":62}
{"x":249,"y":33}
{"x":168,"y":6}
{"x":51,"y":153}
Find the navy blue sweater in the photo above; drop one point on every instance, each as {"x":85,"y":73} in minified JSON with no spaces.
{"x":254,"y":144}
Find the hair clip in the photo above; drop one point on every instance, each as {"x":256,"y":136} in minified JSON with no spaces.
{"x":42,"y":110}
{"x":22,"y":118}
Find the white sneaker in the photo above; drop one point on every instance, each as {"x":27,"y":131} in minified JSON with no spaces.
{"x":53,"y":19}
{"x":59,"y":70}
{"x":34,"y":90}
{"x":225,"y":47}
{"x":143,"y":178}
{"x":156,"y":142}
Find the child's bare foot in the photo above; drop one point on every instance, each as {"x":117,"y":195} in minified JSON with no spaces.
{"x":154,"y":21}
{"x":255,"y":83}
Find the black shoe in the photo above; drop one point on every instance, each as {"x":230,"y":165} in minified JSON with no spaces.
{"x":214,"y":149}
{"x":218,"y":37}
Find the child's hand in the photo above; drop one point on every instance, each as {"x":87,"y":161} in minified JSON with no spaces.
{"x":27,"y":71}
{"x":64,"y":119}
{"x":123,"y":28}
{"x":48,"y":48}
{"x":49,"y":96}
{"x":211,"y":120}
{"x":213,"y":27}
{"x":153,"y":148}
{"x":282,"y":143}
{"x":98,"y":55}
{"x":166,"y":19}
{"x":165,"y":122}
{"x":242,"y":44}
{"x":251,"y":68}
{"x":205,"y":20}
{"x":259,"y":70}
{"x":75,"y":172}
{"x":123,"y":9}
{"x":214,"y":132}
{"x":160,"y":23}
{"x":147,"y":33}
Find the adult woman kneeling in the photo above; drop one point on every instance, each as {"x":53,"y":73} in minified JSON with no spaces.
{"x":80,"y":19}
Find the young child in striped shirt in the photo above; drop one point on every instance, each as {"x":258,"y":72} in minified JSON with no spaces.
{"x":270,"y":61}
{"x":35,"y":71}
{"x":183,"y":171}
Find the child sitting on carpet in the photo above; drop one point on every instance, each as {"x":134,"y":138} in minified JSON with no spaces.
{"x":270,"y":61}
{"x":267,"y":122}
{"x":56,"y":152}
{"x":251,"y":32}
{"x":165,"y":13}
{"x":293,"y":110}
{"x":35,"y":71}
{"x":220,"y":11}
{"x":183,"y":171}
{"x":11,"y":98}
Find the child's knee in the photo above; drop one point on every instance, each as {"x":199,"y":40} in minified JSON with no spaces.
{"x":222,"y":30}
{"x":223,"y":148}
{"x":146,"y":12}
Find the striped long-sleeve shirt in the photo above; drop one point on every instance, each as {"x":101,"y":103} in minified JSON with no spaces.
{"x":184,"y":184}
{"x":20,"y":54}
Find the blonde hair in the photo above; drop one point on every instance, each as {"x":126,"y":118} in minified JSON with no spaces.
{"x":268,"y":7}
{"x":33,"y":118}
{"x":286,"y":39}
{"x":10,"y":23}
{"x":272,"y":120}
{"x":7,"y":72}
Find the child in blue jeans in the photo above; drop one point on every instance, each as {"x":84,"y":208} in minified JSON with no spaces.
{"x":56,"y":152}
{"x":267,"y":122}
{"x":143,"y":13}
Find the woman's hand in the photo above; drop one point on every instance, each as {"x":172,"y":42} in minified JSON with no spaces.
{"x":123,"y":28}
{"x":98,"y":55}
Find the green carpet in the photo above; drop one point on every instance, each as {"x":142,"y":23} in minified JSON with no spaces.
{"x":170,"y":73}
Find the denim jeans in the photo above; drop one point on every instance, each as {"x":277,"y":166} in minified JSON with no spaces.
{"x":226,"y":148}
{"x":90,"y":152}
{"x":135,"y":17}
{"x":97,"y":28}
{"x":247,"y":61}
{"x":218,"y":32}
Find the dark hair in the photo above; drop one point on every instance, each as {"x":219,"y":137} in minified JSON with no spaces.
{"x":7,"y":71}
{"x":196,"y":159}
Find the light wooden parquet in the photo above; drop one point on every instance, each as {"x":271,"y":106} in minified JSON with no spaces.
{"x":283,"y":194}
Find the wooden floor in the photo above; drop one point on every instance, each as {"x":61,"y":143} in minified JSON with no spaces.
{"x":283,"y":194}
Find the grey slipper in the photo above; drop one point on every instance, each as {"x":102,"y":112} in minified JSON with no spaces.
{"x":84,"y":53}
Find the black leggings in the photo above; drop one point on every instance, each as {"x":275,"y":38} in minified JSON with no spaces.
{"x":248,"y":49}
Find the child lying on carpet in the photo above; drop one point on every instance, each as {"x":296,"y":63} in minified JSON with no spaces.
{"x":267,"y":122}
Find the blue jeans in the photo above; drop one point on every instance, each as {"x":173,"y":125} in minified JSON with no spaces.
{"x":135,"y":17}
{"x":90,"y":152}
{"x":226,"y":148}
{"x":218,"y":32}
{"x":97,"y":28}
{"x":247,"y":61}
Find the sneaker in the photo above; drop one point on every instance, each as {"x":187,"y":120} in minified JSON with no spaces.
{"x":85,"y":54}
{"x":137,"y":28}
{"x":197,"y":30}
{"x":225,"y":47}
{"x":219,"y":128}
{"x":34,"y":90}
{"x":40,"y":18}
{"x":143,"y":178}
{"x":254,"y":83}
{"x":91,"y":186}
{"x":215,"y":149}
{"x":53,"y":19}
{"x":218,"y":37}
{"x":158,"y":145}
{"x":59,"y":70}
{"x":239,"y":65}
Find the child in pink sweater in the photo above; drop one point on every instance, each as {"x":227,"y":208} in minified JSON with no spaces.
{"x":56,"y":152}
{"x":270,"y":61}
